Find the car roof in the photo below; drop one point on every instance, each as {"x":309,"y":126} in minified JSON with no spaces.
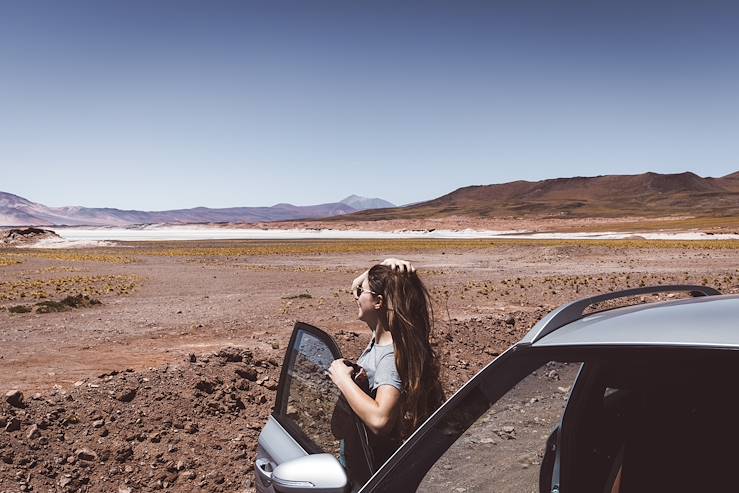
{"x":707,"y":321}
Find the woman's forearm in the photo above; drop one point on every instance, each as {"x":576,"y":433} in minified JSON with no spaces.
{"x":378,"y":418}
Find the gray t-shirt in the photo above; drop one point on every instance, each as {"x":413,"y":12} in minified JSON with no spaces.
{"x":379,"y":363}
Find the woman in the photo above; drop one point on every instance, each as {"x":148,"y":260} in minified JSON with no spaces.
{"x":401,"y":367}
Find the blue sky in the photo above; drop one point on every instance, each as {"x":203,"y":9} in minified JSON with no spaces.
{"x":173,"y":104}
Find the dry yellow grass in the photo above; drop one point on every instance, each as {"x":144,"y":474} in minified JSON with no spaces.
{"x":625,"y":244}
{"x":387,"y":247}
{"x":78,"y":256}
{"x":9,"y":259}
{"x":38,"y":289}
{"x":309,"y":248}
{"x":227,"y":250}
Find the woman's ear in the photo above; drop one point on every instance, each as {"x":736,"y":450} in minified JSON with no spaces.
{"x":380,"y":302}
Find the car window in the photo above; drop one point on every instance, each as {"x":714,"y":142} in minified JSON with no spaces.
{"x":653,"y":421}
{"x":307,"y":395}
{"x":503,"y":449}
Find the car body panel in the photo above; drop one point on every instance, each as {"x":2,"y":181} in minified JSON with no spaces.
{"x":709,"y":321}
{"x":277,"y":443}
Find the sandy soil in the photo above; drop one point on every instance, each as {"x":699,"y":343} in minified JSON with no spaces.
{"x":142,"y":392}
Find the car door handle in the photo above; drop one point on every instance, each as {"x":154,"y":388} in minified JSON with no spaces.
{"x":264,"y":469}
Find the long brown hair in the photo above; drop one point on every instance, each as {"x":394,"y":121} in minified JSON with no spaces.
{"x":409,"y":317}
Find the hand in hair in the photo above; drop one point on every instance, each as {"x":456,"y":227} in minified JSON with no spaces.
{"x":359,"y":280}
{"x":393,"y":263}
{"x":399,"y":265}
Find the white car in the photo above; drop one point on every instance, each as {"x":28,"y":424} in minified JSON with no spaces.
{"x":632,"y":399}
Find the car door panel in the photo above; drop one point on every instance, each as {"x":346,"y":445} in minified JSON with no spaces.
{"x":472,"y":404}
{"x":275,"y":447}
{"x":277,"y":444}
{"x":300,"y":423}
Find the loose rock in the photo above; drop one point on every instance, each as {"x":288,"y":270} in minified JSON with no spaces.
{"x":86,"y":454}
{"x":13,"y":424}
{"x":32,"y":432}
{"x":126,"y":395}
{"x":14,"y":398}
{"x":248,"y":373}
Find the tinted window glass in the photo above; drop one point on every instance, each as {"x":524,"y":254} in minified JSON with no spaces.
{"x":310,"y":395}
{"x":503,"y":449}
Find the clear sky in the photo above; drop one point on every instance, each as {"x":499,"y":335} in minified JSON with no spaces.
{"x":172,"y":104}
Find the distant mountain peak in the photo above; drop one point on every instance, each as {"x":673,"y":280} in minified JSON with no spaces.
{"x":363,"y":203}
{"x":11,"y":200}
{"x":17,"y":211}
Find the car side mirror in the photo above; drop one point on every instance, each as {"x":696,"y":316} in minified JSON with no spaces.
{"x":315,"y":473}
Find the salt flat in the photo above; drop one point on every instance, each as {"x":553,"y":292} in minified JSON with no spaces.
{"x":78,"y":237}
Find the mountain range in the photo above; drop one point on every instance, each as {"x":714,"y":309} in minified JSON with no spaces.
{"x":18,"y":211}
{"x":643,"y":195}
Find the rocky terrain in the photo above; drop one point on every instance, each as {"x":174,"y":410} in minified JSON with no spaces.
{"x":189,"y":425}
{"x":25,"y":236}
{"x":166,"y":382}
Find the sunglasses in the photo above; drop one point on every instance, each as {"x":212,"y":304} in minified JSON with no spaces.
{"x":359,"y":290}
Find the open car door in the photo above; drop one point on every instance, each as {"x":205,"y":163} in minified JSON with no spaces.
{"x":297,"y":448}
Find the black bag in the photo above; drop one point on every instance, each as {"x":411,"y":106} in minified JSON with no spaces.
{"x":346,"y":426}
{"x":343,"y":419}
{"x":360,"y":447}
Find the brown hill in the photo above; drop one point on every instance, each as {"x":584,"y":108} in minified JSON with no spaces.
{"x":644,"y":195}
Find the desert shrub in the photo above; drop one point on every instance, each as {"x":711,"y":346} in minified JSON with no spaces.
{"x":80,"y":301}
{"x":76,"y":301}
{"x":306,"y":296}
{"x":51,"y":307}
{"x":20,"y":309}
{"x":50,"y":288}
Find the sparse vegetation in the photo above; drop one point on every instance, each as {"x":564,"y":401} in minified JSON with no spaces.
{"x":84,"y":285}
{"x":9,"y":259}
{"x":77,"y":301}
{"x":306,"y":296}
{"x":50,"y":306}
{"x":19,"y":309}
{"x":79,"y":255}
{"x":250,"y":248}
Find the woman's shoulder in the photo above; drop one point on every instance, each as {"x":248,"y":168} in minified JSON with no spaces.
{"x":384,"y":350}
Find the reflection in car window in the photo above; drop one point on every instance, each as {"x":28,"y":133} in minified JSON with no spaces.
{"x":503,"y":450}
{"x":311,"y":395}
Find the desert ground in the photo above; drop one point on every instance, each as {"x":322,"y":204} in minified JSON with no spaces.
{"x":150,"y":366}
